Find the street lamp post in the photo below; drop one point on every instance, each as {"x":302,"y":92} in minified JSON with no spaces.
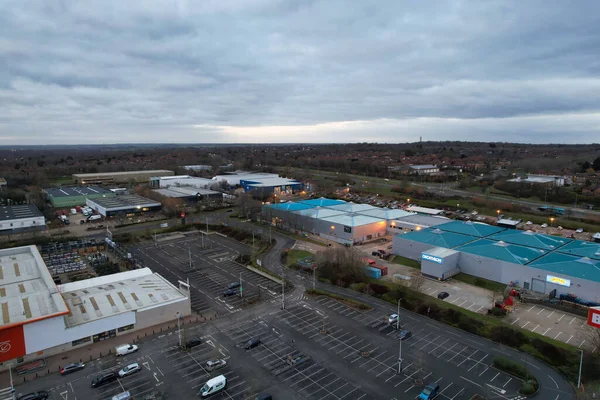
{"x":399,"y":339}
{"x":179,"y":327}
{"x":241,"y":286}
{"x":457,"y":205}
{"x":580,"y":364}
{"x":551,"y":221}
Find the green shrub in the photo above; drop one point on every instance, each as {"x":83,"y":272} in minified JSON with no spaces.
{"x":450,"y":316}
{"x":470,"y":324}
{"x":512,"y":367}
{"x":358,"y":287}
{"x":378,"y":289}
{"x":553,"y":354}
{"x":508,"y":336}
{"x":527,"y":389}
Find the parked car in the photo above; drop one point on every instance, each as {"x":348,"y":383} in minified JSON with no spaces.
{"x":296,"y":359}
{"x":264,"y":396}
{"x":392,"y":319}
{"x":375,"y":254}
{"x":528,"y":223}
{"x":442,"y":295}
{"x":252,"y":343}
{"x":404,"y":334}
{"x":544,"y":225}
{"x":192,"y":343}
{"x":125,"y":349}
{"x":103,"y":379}
{"x":130,"y":369}
{"x":229,"y":292}
{"x":233,"y":285}
{"x":429,"y":392}
{"x":41,"y":395}
{"x":72,"y":367}
{"x":381,"y":251}
{"x":215,"y":364}
{"x":579,"y":230}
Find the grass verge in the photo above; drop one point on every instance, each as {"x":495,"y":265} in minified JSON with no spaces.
{"x":529,"y":384}
{"x":347,"y":301}
{"x":480,"y":282}
{"x":407,"y":262}
{"x":294,"y":255}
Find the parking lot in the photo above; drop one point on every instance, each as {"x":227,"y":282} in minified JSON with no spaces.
{"x":209,"y":264}
{"x":297,"y":370}
{"x":366,"y":343}
{"x":554,"y":324}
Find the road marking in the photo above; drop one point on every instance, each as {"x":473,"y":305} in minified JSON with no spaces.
{"x":479,"y":309}
{"x":569,"y":339}
{"x":541,"y":311}
{"x":546,"y":332}
{"x":468,"y":380}
{"x":146,"y":365}
{"x":64,"y":395}
{"x":549,"y":315}
{"x":499,"y":390}
{"x":581,"y":343}
{"x":532,"y":307}
{"x":553,"y":381}
{"x":572,"y":320}
{"x":533,"y":330}
{"x":562,"y":316}
{"x":156,"y":377}
{"x":462,"y":303}
{"x":495,"y":377}
{"x":484,"y":371}
{"x":557,"y":335}
{"x":509,"y":379}
{"x":455,"y":300}
{"x":526,"y":323}
{"x":515,"y":321}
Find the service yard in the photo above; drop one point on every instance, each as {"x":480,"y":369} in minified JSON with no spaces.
{"x":211,"y":271}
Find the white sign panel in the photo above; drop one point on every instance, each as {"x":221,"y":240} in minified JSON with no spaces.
{"x":431,"y":258}
{"x":558,"y":281}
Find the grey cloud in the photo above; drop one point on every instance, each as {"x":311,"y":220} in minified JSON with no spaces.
{"x":211,"y":71}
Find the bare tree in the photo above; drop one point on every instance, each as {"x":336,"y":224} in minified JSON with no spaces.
{"x":494,"y":296}
{"x":593,"y":337}
{"x":416,"y":282}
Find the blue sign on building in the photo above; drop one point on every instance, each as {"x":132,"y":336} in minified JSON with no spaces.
{"x":431,"y":258}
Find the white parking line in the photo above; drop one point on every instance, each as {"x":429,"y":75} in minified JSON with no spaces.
{"x":515,"y":321}
{"x":546,"y":332}
{"x":509,"y":379}
{"x":533,"y":330}
{"x":541,"y":311}
{"x":549,"y":315}
{"x":574,"y":318}
{"x":561,"y":317}
{"x":495,"y":377}
{"x":462,"y":303}
{"x":557,"y":335}
{"x":532,"y":307}
{"x":526,"y":323}
{"x":569,"y":339}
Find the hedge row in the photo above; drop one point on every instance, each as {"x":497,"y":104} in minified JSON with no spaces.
{"x":530,"y":384}
{"x":348,"y":301}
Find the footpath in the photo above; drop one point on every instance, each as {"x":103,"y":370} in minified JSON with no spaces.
{"x":93,"y":351}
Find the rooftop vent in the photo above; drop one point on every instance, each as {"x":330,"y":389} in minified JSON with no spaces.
{"x":501,"y":244}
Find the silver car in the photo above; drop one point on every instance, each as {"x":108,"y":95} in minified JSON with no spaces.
{"x":130,"y":369}
{"x":215,"y":364}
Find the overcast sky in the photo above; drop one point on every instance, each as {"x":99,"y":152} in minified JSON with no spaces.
{"x":256,"y":71}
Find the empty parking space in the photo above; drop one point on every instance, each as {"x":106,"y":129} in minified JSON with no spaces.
{"x":297,"y":370}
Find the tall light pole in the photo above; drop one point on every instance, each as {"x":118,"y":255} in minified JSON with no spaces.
{"x":457,"y":205}
{"x":241,"y":286}
{"x":398,"y":314}
{"x":580,"y":364}
{"x":314,"y":276}
{"x":399,"y":339}
{"x":551,"y":221}
{"x":179,"y":327}
{"x":282,"y":287}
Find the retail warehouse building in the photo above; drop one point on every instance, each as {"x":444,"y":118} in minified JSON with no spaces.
{"x":20,"y":219}
{"x":344,"y":222}
{"x":108,"y":178}
{"x":40,"y":319}
{"x":535,"y":261}
{"x":76,"y":195}
{"x":127,"y":204}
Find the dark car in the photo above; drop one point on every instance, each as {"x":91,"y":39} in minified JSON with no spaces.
{"x":229,"y":292}
{"x":103,"y":379}
{"x":230,"y":210}
{"x":376,"y":254}
{"x":252,"y":343}
{"x":72,"y":367}
{"x":41,"y":395}
{"x":264,"y":396}
{"x":404,"y":334}
{"x":442,"y":295}
{"x":192,"y":343}
{"x":381,"y":251}
{"x":233,"y":285}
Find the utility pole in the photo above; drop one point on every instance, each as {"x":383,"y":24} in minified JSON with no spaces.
{"x":179,"y":327}
{"x":190,"y":256}
{"x":399,"y":339}
{"x":241,"y":286}
{"x":314,"y":276}
{"x":580,"y":364}
{"x":283,"y":288}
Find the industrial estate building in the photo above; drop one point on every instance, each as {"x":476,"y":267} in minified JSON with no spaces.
{"x":535,"y":261}
{"x":426,"y":169}
{"x":21,"y":218}
{"x":548,"y":180}
{"x":127,"y":204}
{"x":76,"y":195}
{"x":190,"y":194}
{"x":266,"y":187}
{"x":344,"y":222}
{"x":235,"y":178}
{"x":159,"y":182}
{"x":40,"y":319}
{"x":106,"y":178}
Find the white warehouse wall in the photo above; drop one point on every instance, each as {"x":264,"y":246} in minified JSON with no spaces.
{"x":162,"y":313}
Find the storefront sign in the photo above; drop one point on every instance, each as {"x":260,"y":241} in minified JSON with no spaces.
{"x":558,"y":281}
{"x":594,"y":317}
{"x":431,"y":258}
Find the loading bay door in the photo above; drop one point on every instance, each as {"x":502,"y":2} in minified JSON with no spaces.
{"x":538,"y":285}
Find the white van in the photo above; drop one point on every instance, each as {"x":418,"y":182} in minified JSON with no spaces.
{"x":122,"y":396}
{"x":125,"y":349}
{"x":213,"y":386}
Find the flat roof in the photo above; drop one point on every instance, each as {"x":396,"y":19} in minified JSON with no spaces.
{"x":27,"y":291}
{"x":508,"y":221}
{"x":322,"y":202}
{"x":424,"y":221}
{"x":352,"y":207}
{"x":437,"y":237}
{"x":582,"y":249}
{"x":570,"y":266}
{"x":319,"y":212}
{"x":502,"y":251}
{"x":105,"y":296}
{"x":269,"y":182}
{"x":352,"y":219}
{"x":385,"y":213}
{"x":177,"y":191}
{"x":530,"y":239}
{"x":124,"y":201}
{"x":289,"y":206}
{"x":2,"y":181}
{"x":77,"y":191}
{"x":108,"y":174}
{"x":424,"y":210}
{"x":441,"y":252}
{"x":423,"y":166}
{"x":9,"y":213}
{"x":472,"y":228}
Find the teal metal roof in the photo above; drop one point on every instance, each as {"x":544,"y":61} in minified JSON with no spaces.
{"x":530,"y":239}
{"x":582,"y":249}
{"x":322,"y":202}
{"x":478,"y":229}
{"x":570,"y":266}
{"x":290,"y":206}
{"x":502,"y":251}
{"x":437,"y":237}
